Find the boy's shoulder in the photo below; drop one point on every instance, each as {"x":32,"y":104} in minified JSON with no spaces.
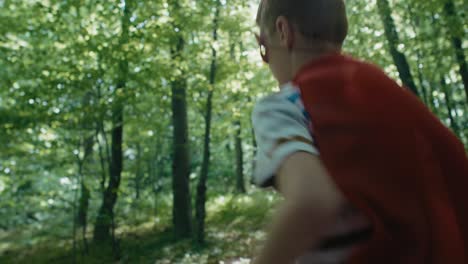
{"x":286,"y":101}
{"x":342,"y":76}
{"x":288,"y":93}
{"x":338,"y":67}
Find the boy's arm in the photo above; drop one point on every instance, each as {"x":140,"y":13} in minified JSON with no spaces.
{"x":312,"y":202}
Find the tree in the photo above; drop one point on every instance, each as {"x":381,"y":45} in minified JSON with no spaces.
{"x":240,"y":185}
{"x":416,"y":25}
{"x":105,"y":219}
{"x":200,"y":200}
{"x":138,"y":172}
{"x":181,"y":216}
{"x":86,"y":144}
{"x":456,"y":32}
{"x":450,"y":108}
{"x":393,"y":41}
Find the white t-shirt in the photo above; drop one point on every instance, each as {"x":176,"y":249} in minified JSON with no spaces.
{"x":283,"y":127}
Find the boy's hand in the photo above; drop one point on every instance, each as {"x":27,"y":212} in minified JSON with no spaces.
{"x":312,"y":203}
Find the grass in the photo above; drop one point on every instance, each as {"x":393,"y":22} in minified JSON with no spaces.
{"x":234,"y":229}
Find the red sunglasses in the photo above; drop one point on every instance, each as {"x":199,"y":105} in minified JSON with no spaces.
{"x":263,"y":48}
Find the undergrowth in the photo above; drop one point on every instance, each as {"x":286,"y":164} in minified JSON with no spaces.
{"x":234,"y":229}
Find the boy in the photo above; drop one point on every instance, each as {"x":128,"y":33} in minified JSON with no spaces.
{"x":369,"y":175}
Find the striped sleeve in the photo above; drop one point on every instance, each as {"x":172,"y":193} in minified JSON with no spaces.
{"x":282,"y":127}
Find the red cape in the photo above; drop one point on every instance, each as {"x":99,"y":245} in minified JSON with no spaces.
{"x":393,"y":159}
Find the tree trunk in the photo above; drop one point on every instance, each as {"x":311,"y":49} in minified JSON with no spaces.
{"x":393,"y":41}
{"x":254,"y":149}
{"x":240,"y":185}
{"x":105,"y":219}
{"x":449,"y":103}
{"x":102,"y":160}
{"x":83,"y":213}
{"x":415,"y":24}
{"x":103,"y":145}
{"x":181,"y":212}
{"x":85,"y":146}
{"x":105,"y":215}
{"x":85,"y":194}
{"x":138,"y":172}
{"x":456,"y":32}
{"x":200,"y":200}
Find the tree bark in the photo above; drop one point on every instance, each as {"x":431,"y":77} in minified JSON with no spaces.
{"x":105,"y":219}
{"x":86,"y":145}
{"x":200,"y":200}
{"x":254,"y":149}
{"x":181,"y":212}
{"x":415,"y":24}
{"x":240,"y":184}
{"x":102,"y":160}
{"x":138,"y":172}
{"x":456,"y":32}
{"x":103,"y":147}
{"x":450,"y":104}
{"x":393,"y":40}
{"x":83,"y":207}
{"x":450,"y":108}
{"x":85,"y":194}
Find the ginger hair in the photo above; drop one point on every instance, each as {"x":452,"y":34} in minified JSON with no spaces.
{"x":316,"y":20}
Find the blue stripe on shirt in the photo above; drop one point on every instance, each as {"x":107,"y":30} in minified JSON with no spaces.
{"x":294,"y":97}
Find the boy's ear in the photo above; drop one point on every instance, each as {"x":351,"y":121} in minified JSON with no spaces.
{"x":285,"y":32}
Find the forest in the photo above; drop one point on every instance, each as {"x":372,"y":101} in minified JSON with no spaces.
{"x":126,"y":129}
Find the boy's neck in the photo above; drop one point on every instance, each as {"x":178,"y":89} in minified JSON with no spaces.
{"x":302,"y":59}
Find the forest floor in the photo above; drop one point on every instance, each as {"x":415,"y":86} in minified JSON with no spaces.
{"x":234,"y":229}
